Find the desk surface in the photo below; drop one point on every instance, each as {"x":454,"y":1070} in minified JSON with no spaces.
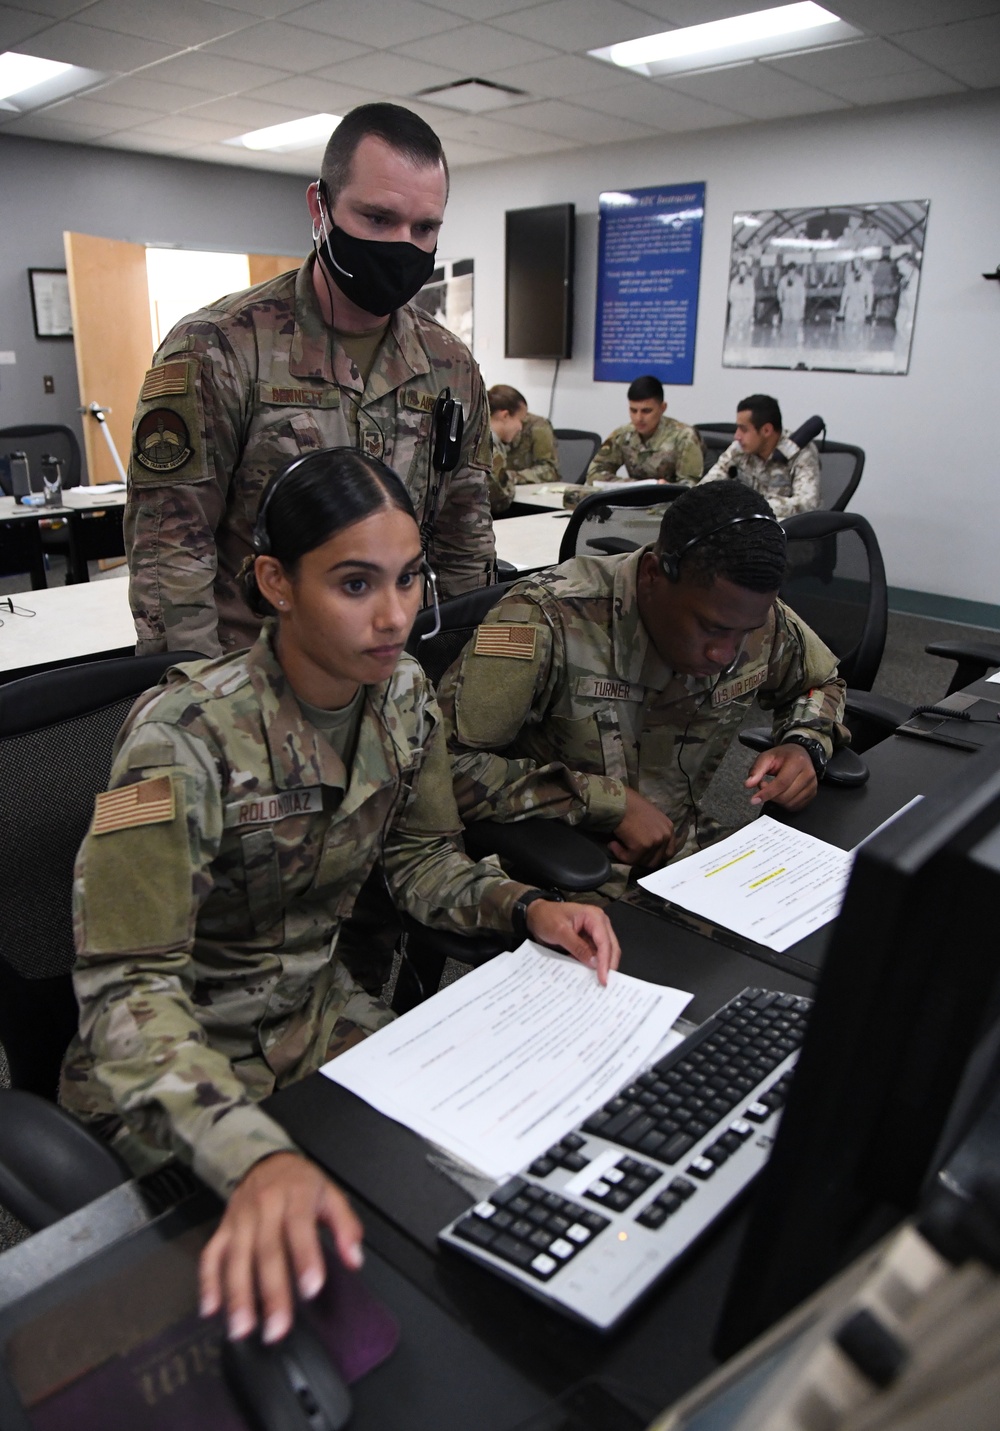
{"x":70,"y":623}
{"x":545,"y":495}
{"x":531,"y":542}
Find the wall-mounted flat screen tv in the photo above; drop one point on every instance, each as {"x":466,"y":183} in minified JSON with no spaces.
{"x":539,"y":282}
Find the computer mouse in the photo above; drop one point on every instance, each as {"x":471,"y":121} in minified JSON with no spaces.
{"x":289,"y":1385}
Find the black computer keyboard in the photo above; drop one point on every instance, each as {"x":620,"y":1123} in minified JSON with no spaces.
{"x":603,"y":1213}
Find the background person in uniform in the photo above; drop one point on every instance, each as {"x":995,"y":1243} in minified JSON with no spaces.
{"x":764,"y":458}
{"x":532,"y":453}
{"x":653,"y":447}
{"x":332,"y":354}
{"x":250,"y":797}
{"x":606,"y":692}
{"x":505,"y":429}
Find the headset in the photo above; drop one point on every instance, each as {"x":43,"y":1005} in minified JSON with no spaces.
{"x":670,"y":562}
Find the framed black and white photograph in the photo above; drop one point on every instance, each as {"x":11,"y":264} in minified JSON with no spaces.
{"x":50,"y":302}
{"x":448,"y":296}
{"x":831,"y":289}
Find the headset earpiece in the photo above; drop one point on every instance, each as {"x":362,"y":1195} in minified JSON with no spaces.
{"x":430,"y":576}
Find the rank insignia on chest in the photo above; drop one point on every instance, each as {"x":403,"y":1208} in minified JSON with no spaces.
{"x":608,"y":688}
{"x":417,"y":400}
{"x":516,"y":641}
{"x":148,"y":802}
{"x":728,"y":691}
{"x":371,"y":443}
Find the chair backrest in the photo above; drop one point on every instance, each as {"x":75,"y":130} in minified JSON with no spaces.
{"x":617,"y":519}
{"x":57,"y":730}
{"x":836,"y":583}
{"x":715,"y":438}
{"x":576,"y":448}
{"x":34,"y":439}
{"x":840,"y":469}
{"x":459,"y":618}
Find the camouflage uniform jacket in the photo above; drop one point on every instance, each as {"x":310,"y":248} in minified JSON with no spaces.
{"x":788,"y":480}
{"x":534,"y":457}
{"x":673,"y":453}
{"x":241,"y":388}
{"x":564,"y":703}
{"x":210,"y":892}
{"x":502,"y":482}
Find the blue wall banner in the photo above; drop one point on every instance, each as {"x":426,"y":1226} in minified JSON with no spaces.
{"x":648,"y":266}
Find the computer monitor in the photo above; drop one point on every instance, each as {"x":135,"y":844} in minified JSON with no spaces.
{"x":908,"y":992}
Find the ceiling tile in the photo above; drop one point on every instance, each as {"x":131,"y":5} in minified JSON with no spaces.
{"x":563,"y":75}
{"x":184,"y":126}
{"x":586,"y":126}
{"x":914,"y":84}
{"x":54,"y":9}
{"x":95,"y":49}
{"x":99,"y":116}
{"x":494,"y":134}
{"x":676,"y":13}
{"x":462,"y":152}
{"x":390,"y":74}
{"x":381,"y":26}
{"x":576,"y":25}
{"x":755,"y":92}
{"x":484,"y":9}
{"x":288,"y":46}
{"x":479,"y":50}
{"x":17,"y":25}
{"x":864,"y":59}
{"x":262,"y":9}
{"x":968,"y":51}
{"x":146,"y":93}
{"x":143,"y":143}
{"x":891,"y":17}
{"x":213,"y":74}
{"x":245,"y":111}
{"x":660,"y":108}
{"x":181,"y":22}
{"x":313,"y":95}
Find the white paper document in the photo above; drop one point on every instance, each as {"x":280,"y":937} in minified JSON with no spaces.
{"x":995,"y":677}
{"x":499,"y":1065}
{"x":769,"y":882}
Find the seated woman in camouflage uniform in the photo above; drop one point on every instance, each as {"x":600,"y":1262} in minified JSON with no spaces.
{"x":250,"y":798}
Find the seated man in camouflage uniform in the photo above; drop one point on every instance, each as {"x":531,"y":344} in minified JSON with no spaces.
{"x":530,"y":450}
{"x":606,"y":692}
{"x":764,"y":457}
{"x":653,"y":447}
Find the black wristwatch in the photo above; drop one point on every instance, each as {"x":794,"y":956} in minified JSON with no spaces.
{"x":813,"y":749}
{"x":519,"y":914}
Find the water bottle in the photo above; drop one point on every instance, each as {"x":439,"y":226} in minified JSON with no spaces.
{"x":20,"y":475}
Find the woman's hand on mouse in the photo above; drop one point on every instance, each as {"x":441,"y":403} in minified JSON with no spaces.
{"x":268,"y":1238}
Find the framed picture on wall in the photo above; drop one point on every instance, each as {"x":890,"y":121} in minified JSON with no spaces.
{"x":825,"y":288}
{"x":50,"y":302}
{"x":448,"y":296}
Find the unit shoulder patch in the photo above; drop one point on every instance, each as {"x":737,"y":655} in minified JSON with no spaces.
{"x":515,"y":641}
{"x":148,"y":802}
{"x":162,"y":440}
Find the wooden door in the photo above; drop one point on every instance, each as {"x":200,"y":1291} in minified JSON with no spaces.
{"x":270,"y":265}
{"x":113,"y":337}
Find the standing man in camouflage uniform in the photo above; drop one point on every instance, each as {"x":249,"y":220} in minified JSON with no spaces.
{"x":250,"y":798}
{"x":532,"y":455}
{"x":764,"y":457}
{"x":607,"y":692}
{"x":653,"y":447}
{"x":329,"y":355}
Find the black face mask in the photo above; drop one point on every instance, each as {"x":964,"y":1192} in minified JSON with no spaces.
{"x":378,"y":277}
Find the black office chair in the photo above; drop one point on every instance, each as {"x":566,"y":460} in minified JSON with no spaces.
{"x":617,"y":519}
{"x":57,"y":730}
{"x":546,"y":853}
{"x":36,"y":440}
{"x":974,"y":660}
{"x":836,"y":583}
{"x":715,"y":438}
{"x":576,"y":451}
{"x":840,"y":469}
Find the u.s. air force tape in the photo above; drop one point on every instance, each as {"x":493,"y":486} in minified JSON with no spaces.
{"x":515,"y":641}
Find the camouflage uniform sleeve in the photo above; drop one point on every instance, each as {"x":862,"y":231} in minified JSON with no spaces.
{"x":607,"y":459}
{"x":805,"y":485}
{"x":502,"y":484}
{"x":486,"y":699}
{"x":137,"y":891}
{"x":463,"y":552}
{"x":690,"y":457}
{"x":185,"y":447}
{"x":802,"y":687}
{"x":721,"y":468}
{"x":428,"y":875}
{"x":544,"y":456}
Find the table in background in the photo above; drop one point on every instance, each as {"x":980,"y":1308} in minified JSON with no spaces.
{"x":529,"y":543}
{"x":20,"y":534}
{"x":71,"y":624}
{"x":532,"y":496}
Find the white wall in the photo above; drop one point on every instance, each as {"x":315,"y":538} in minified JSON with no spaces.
{"x":930,"y":486}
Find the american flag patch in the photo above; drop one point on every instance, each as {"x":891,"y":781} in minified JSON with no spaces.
{"x":150,"y":802}
{"x":168,"y":380}
{"x":516,"y":641}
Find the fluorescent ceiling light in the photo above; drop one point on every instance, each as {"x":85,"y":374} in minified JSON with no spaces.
{"x":765,"y":32}
{"x":21,"y":72}
{"x":294,"y":134}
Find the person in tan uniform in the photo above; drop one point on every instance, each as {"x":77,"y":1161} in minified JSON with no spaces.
{"x":251,"y":796}
{"x":531,"y":452}
{"x":332,"y":354}
{"x":652,"y":447}
{"x":606,"y":692}
{"x":764,"y":457}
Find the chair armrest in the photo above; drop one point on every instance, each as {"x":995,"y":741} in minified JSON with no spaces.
{"x":612,"y":546}
{"x":547,"y":853}
{"x":845,"y":766}
{"x":882,"y":711}
{"x":974,"y":659}
{"x":50,"y":1165}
